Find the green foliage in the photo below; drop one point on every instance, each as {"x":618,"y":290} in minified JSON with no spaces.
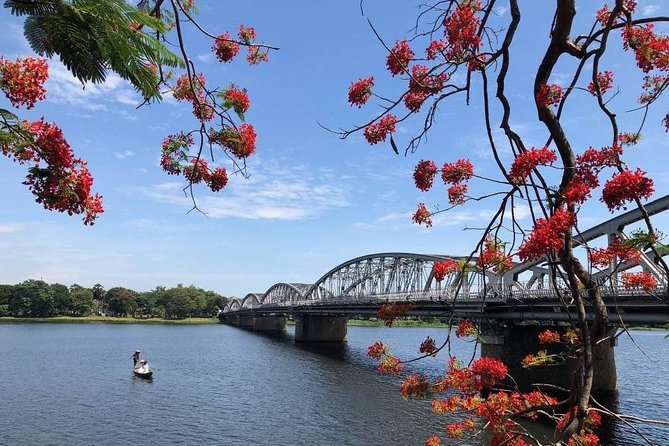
{"x":121,"y":301}
{"x":33,"y":298}
{"x":82,"y":302}
{"x":92,"y":37}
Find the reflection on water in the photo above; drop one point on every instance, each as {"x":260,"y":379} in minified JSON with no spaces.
{"x":213,"y":384}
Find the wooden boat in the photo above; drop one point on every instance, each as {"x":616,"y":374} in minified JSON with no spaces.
{"x":145,"y":375}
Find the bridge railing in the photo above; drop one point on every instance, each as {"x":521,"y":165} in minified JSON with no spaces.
{"x":448,"y":295}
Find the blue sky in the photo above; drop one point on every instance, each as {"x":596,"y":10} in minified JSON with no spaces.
{"x":313,"y":200}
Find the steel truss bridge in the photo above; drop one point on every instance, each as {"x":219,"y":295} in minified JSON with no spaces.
{"x":358,"y":287}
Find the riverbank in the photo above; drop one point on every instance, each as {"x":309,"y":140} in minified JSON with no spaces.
{"x":110,"y":320}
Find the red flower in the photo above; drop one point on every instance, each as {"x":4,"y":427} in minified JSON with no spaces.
{"x":650,"y":50}
{"x":646,"y":281}
{"x":435,"y":49}
{"x":547,"y":236}
{"x":428,"y":347}
{"x":577,"y":192}
{"x":399,"y":57}
{"x":240,"y":142}
{"x":414,"y":385}
{"x":23,"y":80}
{"x":246,"y":34}
{"x":237,"y":99}
{"x":626,"y":186}
{"x":465,"y":329}
{"x":203,"y":110}
{"x":422,"y":215}
{"x":493,"y":257}
{"x":443,"y":268}
{"x":489,"y":371}
{"x":390,"y":312}
{"x":456,"y":194}
{"x":424,"y":174}
{"x":218,"y":179}
{"x":187,"y":90}
{"x":605,"y":82}
{"x":616,"y":249}
{"x":433,"y":440}
{"x":528,"y":160}
{"x":225,"y":48}
{"x":548,"y":95}
{"x":360,"y":91}
{"x":549,"y":337}
{"x":256,"y":55}
{"x":457,"y":172}
{"x":378,"y":131}
{"x":604,"y":14}
{"x":390,"y":366}
{"x":413,"y":100}
{"x":462,"y":32}
{"x":376,"y":350}
{"x":174,"y":151}
{"x":197,"y":171}
{"x":422,"y":81}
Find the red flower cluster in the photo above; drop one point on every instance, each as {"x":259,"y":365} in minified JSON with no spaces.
{"x":378,"y":131}
{"x":414,"y":386}
{"x":626,"y":186}
{"x":526,"y":162}
{"x":629,"y":139}
{"x":390,"y":366}
{"x":548,"y":95}
{"x":239,"y":142}
{"x":576,"y":192}
{"x":399,"y":57}
{"x":433,"y":440}
{"x":218,"y":179}
{"x":174,"y":152}
{"x":376,"y":350}
{"x":465,"y":329}
{"x":547,"y":235}
{"x":461,"y":29}
{"x":653,"y":87}
{"x":23,"y":80}
{"x":237,"y":99}
{"x":197,"y":171}
{"x":645,"y":281}
{"x":443,"y":268}
{"x":616,"y":250}
{"x":456,"y":194}
{"x":422,"y":215}
{"x":360,"y":91}
{"x":604,"y":13}
{"x":549,"y":337}
{"x":413,"y":100}
{"x":225,"y":48}
{"x":192,"y":89}
{"x":246,"y":34}
{"x":428,"y":347}
{"x":389,"y":312}
{"x":424,"y":83}
{"x":58,"y":180}
{"x":649,"y":48}
{"x":435,"y":49}
{"x":256,"y":55}
{"x":493,"y":257}
{"x":424,"y":174}
{"x":586,"y":436}
{"x":457,"y":172}
{"x":604,"y":81}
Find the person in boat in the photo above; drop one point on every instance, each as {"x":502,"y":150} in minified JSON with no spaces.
{"x":135,"y":358}
{"x":143,"y":366}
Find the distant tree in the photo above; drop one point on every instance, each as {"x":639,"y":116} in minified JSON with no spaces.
{"x":121,"y":301}
{"x":176,"y":302}
{"x":146,"y":303}
{"x":5,"y":292}
{"x":32,"y":298}
{"x":62,"y":300}
{"x":98,"y":292}
{"x":82,"y":301}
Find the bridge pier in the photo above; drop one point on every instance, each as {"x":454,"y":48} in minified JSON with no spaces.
{"x":512,"y":343}
{"x":243,"y":320}
{"x":269,"y":323}
{"x":318,"y":328}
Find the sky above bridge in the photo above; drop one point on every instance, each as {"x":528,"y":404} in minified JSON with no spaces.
{"x":313,"y":200}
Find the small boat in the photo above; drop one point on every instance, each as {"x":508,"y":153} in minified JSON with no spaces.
{"x":143,"y":374}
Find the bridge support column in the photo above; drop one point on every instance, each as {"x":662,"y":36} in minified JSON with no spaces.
{"x":316,"y":328}
{"x":512,"y":343}
{"x":269,"y":323}
{"x":244,"y":321}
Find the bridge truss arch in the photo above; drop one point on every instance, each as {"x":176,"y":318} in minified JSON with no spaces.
{"x":394,"y":274}
{"x":285,"y":293}
{"x":252,"y":300}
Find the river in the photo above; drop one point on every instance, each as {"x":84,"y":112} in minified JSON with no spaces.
{"x":214,"y":384}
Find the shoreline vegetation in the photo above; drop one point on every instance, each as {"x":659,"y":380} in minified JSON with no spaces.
{"x":110,"y":320}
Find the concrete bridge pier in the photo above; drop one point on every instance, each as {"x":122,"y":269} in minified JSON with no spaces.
{"x":512,"y":343}
{"x":319,"y":328}
{"x":269,"y":323}
{"x":244,"y":321}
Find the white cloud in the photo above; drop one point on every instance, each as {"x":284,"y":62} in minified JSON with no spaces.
{"x":9,"y":228}
{"x":650,"y":10}
{"x":125,"y":154}
{"x":272,"y":192}
{"x":64,"y":88}
{"x":205,"y":57}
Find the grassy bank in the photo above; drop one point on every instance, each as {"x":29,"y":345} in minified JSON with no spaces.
{"x":110,"y":320}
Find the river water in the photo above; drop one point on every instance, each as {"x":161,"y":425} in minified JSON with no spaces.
{"x":67,"y":384}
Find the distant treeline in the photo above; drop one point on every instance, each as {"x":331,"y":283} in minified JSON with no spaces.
{"x":35,"y":298}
